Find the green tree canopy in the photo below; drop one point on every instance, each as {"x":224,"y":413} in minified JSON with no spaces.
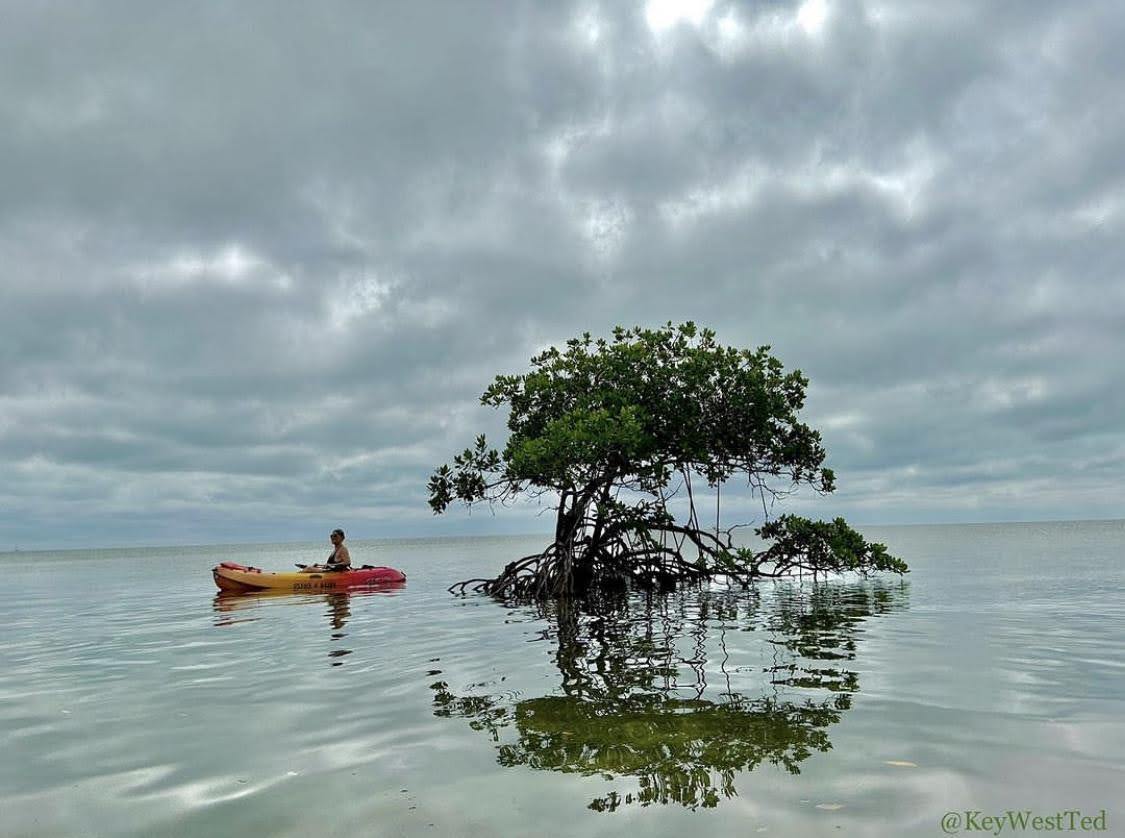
{"x":614,"y":430}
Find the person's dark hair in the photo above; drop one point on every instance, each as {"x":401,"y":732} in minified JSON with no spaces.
{"x":338,"y":532}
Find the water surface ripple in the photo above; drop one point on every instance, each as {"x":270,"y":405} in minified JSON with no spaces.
{"x":134,"y":701}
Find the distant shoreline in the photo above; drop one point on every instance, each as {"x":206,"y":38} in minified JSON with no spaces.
{"x":22,"y":552}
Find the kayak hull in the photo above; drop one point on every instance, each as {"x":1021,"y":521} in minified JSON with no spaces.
{"x":236,"y":578}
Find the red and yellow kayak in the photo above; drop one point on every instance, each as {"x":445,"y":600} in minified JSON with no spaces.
{"x":238,"y":578}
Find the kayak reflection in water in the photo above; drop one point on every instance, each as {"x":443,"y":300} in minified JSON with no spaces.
{"x":339,"y":611}
{"x":339,"y":559}
{"x":227,"y":607}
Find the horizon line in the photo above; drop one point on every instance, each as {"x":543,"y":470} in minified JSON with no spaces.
{"x":17,"y":551}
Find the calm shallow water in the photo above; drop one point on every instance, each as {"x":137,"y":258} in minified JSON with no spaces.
{"x":134,"y":701}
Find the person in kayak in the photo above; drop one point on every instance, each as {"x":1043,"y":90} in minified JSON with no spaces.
{"x":340,"y":559}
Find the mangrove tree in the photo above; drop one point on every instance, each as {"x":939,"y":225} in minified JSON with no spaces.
{"x":629,"y":440}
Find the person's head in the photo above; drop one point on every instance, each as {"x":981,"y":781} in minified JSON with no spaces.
{"x":337,"y":536}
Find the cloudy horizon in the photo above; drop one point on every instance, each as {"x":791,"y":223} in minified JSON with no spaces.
{"x":258,"y":261}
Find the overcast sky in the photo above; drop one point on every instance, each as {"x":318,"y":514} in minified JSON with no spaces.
{"x":258,"y":261}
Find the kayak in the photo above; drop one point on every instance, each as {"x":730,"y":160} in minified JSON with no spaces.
{"x":239,"y":578}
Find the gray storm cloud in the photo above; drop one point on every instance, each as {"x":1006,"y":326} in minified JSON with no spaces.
{"x":257,"y":261}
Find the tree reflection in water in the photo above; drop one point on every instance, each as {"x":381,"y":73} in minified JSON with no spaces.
{"x":635,"y":701}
